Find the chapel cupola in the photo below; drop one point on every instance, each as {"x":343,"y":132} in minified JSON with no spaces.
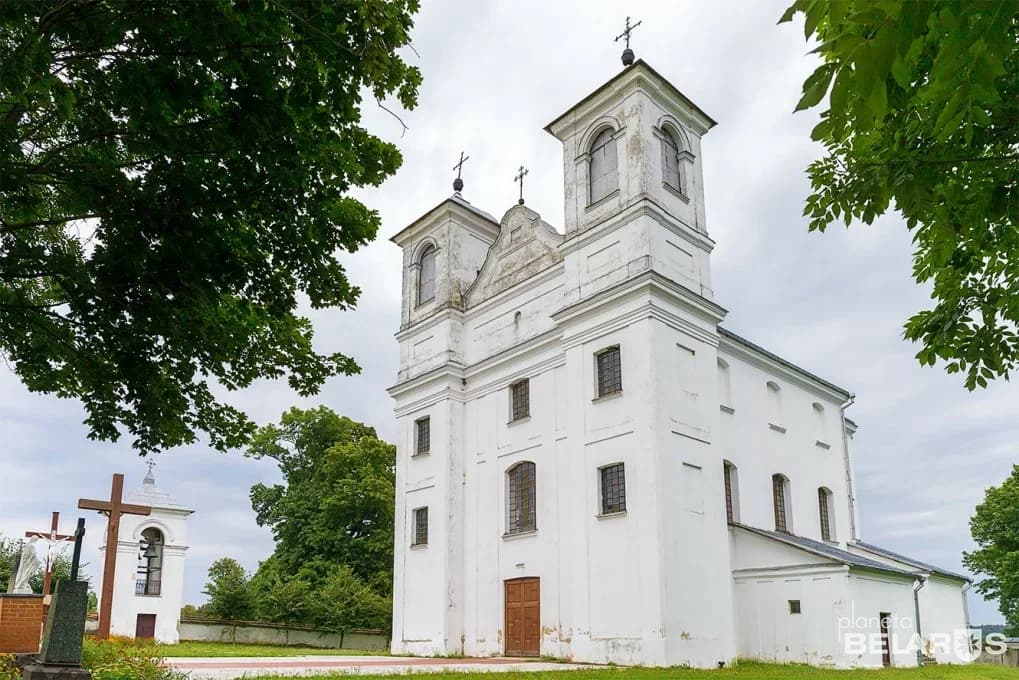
{"x":636,"y":138}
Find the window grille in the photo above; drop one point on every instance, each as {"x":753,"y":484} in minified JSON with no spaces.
{"x":613,"y":489}
{"x":822,"y":506}
{"x":521,"y":499}
{"x":423,"y":444}
{"x":778,"y":483}
{"x":420,"y":526}
{"x":610,"y":374}
{"x":730,"y":513}
{"x":520,"y":393}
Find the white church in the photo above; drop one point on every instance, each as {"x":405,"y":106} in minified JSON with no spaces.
{"x":591,"y":467}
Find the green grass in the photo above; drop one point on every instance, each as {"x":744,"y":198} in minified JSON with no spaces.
{"x":744,"y":671}
{"x":192,"y":649}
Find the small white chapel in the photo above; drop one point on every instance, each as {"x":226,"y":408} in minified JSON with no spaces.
{"x":591,"y":467}
{"x":149,"y":588}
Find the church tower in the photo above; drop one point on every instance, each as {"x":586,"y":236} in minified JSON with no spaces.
{"x":149,"y":588}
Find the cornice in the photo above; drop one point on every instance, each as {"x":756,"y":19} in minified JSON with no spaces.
{"x":642,"y":205}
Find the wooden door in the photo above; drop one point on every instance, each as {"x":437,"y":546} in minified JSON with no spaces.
{"x":523,"y":617}
{"x":886,"y":647}
{"x":145,"y":627}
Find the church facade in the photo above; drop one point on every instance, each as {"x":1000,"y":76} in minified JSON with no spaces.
{"x":591,"y":467}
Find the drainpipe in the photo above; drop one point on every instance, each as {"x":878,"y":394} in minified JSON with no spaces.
{"x":921,"y":581}
{"x":849,"y":468}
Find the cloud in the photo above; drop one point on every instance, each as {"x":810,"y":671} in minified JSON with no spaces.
{"x":495,"y":74}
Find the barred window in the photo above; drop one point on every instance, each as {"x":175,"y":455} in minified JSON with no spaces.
{"x":520,"y":396}
{"x":426,"y":275}
{"x":423,"y":435}
{"x":613,"y":488}
{"x":779,"y":484}
{"x":420,"y":526}
{"x":610,"y":373}
{"x":824,"y":509}
{"x":794,"y":607}
{"x":520,"y":498}
{"x":603,"y":166}
{"x":729,"y":474}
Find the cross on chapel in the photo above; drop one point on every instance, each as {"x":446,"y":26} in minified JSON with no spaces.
{"x":627,"y":53}
{"x":458,"y":184}
{"x":50,"y":538}
{"x":520,"y":178}
{"x":113,"y":509}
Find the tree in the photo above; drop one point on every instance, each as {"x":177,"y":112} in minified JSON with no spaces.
{"x":228,"y":591}
{"x":347,"y":602}
{"x":174,"y":179}
{"x":923,"y":115}
{"x":282,"y":597}
{"x":337,"y":502}
{"x":995,"y":530}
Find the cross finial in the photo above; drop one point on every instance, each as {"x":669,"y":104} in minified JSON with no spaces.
{"x":627,"y":53}
{"x":458,"y":184}
{"x":520,"y":178}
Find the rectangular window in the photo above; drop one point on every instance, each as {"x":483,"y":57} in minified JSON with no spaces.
{"x":420,"y":527}
{"x":521,"y":497}
{"x":778,"y":493}
{"x":423,"y":435}
{"x":730,"y":515}
{"x":613,"y":489}
{"x":822,"y":506}
{"x":610,"y":373}
{"x":794,"y":606}
{"x":520,"y":397}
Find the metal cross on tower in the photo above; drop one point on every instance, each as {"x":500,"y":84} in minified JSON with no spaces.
{"x":627,"y":53}
{"x":458,"y":184}
{"x":520,"y":178}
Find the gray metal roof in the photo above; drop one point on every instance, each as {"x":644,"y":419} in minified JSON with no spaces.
{"x":910,"y":561}
{"x":824,"y":550}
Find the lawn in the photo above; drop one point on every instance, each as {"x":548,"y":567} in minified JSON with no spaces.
{"x":193,"y":649}
{"x":745,"y":671}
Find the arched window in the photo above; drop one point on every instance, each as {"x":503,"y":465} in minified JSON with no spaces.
{"x":520,"y":498}
{"x":426,"y":275}
{"x":826,"y":513}
{"x":604,"y":175}
{"x":774,"y":404}
{"x":670,"y":161}
{"x":820,"y":425}
{"x":783,"y":506}
{"x":150,"y":563}
{"x":724,"y":385}
{"x":731,"y":480}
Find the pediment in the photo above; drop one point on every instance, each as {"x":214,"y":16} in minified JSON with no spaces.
{"x":526,"y":246}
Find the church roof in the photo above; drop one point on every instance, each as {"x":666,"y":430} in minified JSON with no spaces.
{"x":150,"y":494}
{"x":637,"y":65}
{"x":884,"y":552}
{"x":455,"y":199}
{"x":825,"y":550}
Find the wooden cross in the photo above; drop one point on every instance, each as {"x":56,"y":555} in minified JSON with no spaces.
{"x":113,"y":509}
{"x":520,"y":178}
{"x":626,"y":33}
{"x":51,"y":538}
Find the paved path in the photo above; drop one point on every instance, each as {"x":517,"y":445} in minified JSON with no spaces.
{"x":227,"y":668}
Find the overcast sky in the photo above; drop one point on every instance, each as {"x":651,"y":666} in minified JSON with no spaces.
{"x":495,"y":73}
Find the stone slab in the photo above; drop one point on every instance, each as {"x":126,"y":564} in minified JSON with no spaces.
{"x":65,"y":624}
{"x":39,"y":671}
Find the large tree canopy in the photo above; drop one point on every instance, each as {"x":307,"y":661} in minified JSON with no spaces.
{"x":923,"y":116}
{"x":173,"y":181}
{"x":337,"y":504}
{"x":995,"y":530}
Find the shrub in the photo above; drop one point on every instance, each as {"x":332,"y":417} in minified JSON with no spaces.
{"x":122,"y":658}
{"x":8,"y":668}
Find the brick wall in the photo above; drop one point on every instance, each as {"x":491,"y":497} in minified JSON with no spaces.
{"x":20,"y":623}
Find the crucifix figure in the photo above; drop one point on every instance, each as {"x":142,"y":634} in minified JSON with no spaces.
{"x":520,"y":178}
{"x":627,"y":53}
{"x":113,"y":509}
{"x":458,"y":184}
{"x":50,"y":538}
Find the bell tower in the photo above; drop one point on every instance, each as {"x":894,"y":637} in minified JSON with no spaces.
{"x":633,"y":183}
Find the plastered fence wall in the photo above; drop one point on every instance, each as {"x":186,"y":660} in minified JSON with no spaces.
{"x":199,"y":630}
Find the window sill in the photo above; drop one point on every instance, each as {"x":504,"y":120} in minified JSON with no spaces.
{"x":610,"y":515}
{"x":606,"y":397}
{"x":726,"y":409}
{"x":517,"y":421}
{"x":418,"y":546}
{"x":424,"y":303}
{"x":420,"y":455}
{"x":777,"y":428}
{"x":602,"y":200}
{"x":520,"y":534}
{"x":822,"y":445}
{"x":676,"y":192}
